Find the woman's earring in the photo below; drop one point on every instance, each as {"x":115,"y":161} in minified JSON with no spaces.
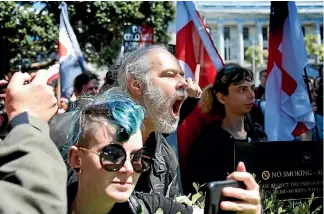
{"x":77,"y":170}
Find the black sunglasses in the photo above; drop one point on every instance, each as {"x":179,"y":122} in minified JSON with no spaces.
{"x":113,"y":157}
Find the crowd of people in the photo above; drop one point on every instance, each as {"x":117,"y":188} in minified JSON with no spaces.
{"x":105,"y":150}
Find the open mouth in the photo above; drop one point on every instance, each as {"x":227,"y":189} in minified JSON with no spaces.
{"x":122,"y":183}
{"x":176,"y":107}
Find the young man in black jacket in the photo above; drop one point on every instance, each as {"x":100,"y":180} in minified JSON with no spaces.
{"x":211,"y":156}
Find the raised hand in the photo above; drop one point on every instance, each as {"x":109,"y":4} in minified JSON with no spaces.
{"x":36,"y":98}
{"x":194,"y":89}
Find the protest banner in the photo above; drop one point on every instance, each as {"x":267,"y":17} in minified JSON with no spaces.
{"x":136,"y":36}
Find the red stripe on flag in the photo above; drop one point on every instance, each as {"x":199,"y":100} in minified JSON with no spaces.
{"x":184,"y":43}
{"x":299,"y":129}
{"x":62,"y":51}
{"x":288,"y":84}
{"x":191,"y":50}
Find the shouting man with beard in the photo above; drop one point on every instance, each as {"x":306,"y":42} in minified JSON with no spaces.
{"x":153,"y":77}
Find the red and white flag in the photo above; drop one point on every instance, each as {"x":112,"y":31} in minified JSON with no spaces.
{"x":288,"y":112}
{"x":193,"y":46}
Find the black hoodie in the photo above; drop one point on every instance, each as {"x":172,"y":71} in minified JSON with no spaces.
{"x":211,"y":156}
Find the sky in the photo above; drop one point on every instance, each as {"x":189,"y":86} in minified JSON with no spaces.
{"x":38,"y":5}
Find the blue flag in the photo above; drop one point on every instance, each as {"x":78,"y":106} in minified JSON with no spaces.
{"x":72,"y":62}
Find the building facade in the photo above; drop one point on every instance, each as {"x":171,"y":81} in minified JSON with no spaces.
{"x":235,"y":26}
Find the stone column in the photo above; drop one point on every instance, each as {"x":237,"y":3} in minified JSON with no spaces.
{"x":260,"y":40}
{"x":241,"y":43}
{"x":318,"y":38}
{"x":220,"y":36}
{"x":318,"y":33}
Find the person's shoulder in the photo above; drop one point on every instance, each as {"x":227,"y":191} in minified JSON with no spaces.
{"x":166,"y":151}
{"x":163,"y":144}
{"x":261,"y":134}
{"x":212,"y":130}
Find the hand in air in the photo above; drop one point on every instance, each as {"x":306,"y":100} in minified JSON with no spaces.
{"x":36,"y":98}
{"x":194,"y":89}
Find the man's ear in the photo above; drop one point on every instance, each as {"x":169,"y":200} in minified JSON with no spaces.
{"x":221,"y":98}
{"x":134,"y":87}
{"x":74,"y":159}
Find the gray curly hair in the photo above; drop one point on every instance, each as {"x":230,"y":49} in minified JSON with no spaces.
{"x":136,"y":63}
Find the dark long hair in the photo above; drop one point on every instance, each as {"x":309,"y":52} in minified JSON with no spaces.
{"x":229,"y":74}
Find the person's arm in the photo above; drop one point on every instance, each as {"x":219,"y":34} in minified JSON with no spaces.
{"x":32,"y":172}
{"x":194,"y":93}
{"x":187,"y":107}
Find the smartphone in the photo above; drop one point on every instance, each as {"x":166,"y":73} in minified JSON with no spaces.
{"x":214,"y":195}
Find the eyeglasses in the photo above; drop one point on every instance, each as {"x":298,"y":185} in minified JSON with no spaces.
{"x":113,"y":157}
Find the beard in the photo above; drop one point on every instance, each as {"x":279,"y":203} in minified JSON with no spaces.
{"x":158,"y":106}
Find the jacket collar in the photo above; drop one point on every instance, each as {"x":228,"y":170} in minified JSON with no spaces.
{"x":154,"y":146}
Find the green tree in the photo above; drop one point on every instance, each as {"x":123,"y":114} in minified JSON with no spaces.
{"x":25,"y":33}
{"x":312,"y":48}
{"x":310,"y":44}
{"x":258,"y":52}
{"x":98,"y":26}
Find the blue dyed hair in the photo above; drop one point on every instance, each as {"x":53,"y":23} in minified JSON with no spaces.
{"x":113,"y":106}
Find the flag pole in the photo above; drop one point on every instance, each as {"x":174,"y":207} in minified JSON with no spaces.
{"x":201,"y":51}
{"x":58,"y":90}
{"x":307,"y":86}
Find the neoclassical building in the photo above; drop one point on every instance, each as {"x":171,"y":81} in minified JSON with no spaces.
{"x":234,"y":26}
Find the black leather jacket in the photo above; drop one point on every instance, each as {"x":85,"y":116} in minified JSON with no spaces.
{"x":162,"y":176}
{"x":148,"y":203}
{"x":211,"y":156}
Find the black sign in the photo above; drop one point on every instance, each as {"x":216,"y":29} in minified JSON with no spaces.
{"x":294,"y":168}
{"x":136,"y":36}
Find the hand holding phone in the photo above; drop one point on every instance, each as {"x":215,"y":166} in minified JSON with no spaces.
{"x":36,"y":98}
{"x":214,"y":195}
{"x":220,"y":194}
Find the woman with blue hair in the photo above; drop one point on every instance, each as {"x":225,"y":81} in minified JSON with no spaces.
{"x":107,"y":154}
